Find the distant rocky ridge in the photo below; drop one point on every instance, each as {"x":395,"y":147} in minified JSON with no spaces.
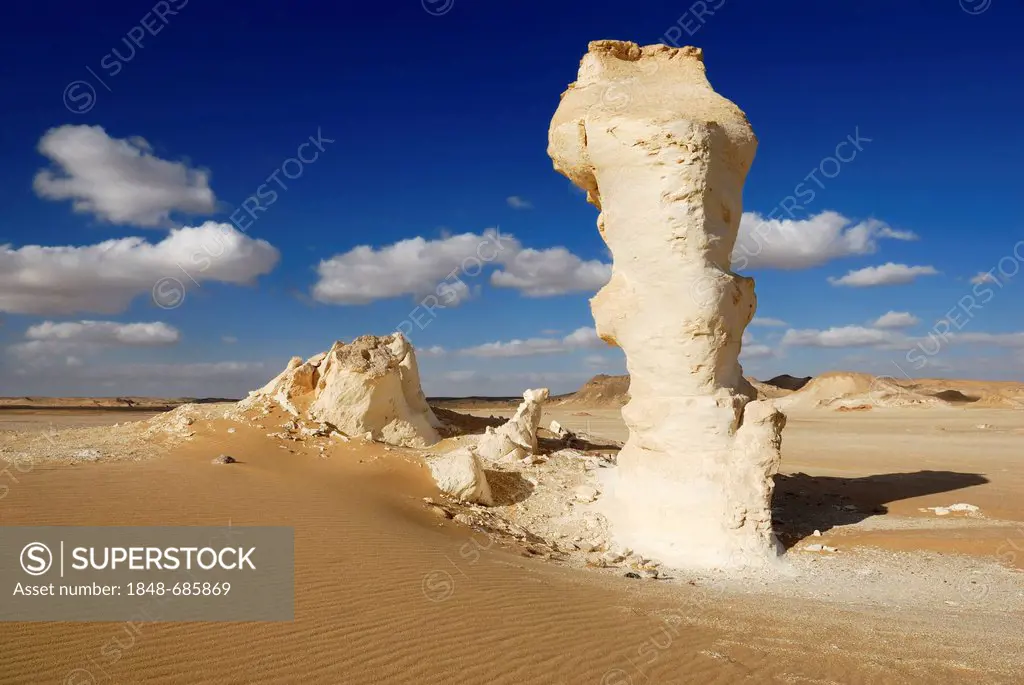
{"x":787,"y":382}
{"x":104,"y":403}
{"x":613,"y":391}
{"x":600,"y":391}
{"x":834,"y":390}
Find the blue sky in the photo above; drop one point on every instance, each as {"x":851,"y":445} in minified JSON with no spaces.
{"x":428,"y":120}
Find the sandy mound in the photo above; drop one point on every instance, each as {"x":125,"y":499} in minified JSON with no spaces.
{"x":848,"y":390}
{"x":975,"y":394}
{"x":600,"y":391}
{"x":129,"y":441}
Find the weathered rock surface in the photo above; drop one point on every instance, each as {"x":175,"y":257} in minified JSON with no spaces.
{"x":369,"y":386}
{"x":517,"y":438}
{"x":460,"y":474}
{"x":664,"y":158}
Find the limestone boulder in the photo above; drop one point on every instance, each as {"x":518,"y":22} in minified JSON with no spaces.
{"x":370,"y":385}
{"x":460,"y":473}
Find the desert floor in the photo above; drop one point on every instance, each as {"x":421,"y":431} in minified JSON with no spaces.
{"x":386,"y":592}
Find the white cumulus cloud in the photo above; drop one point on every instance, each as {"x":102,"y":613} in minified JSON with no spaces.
{"x":416,"y":267}
{"x":119,"y":180}
{"x":104,"y":278}
{"x":554,"y":271}
{"x":768,"y":322}
{"x":756,"y":352}
{"x":581,"y":338}
{"x":516,"y":202}
{"x":49,"y":341}
{"x":998,"y":339}
{"x":843,"y":336}
{"x":105,"y":332}
{"x":765,"y":243}
{"x":443,"y":269}
{"x":896,"y":320}
{"x":886,"y":274}
{"x":983,"y":277}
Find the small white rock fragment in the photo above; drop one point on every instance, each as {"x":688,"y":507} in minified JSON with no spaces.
{"x":958,"y":507}
{"x":584,"y":493}
{"x":819,"y":548}
{"x":816,"y":533}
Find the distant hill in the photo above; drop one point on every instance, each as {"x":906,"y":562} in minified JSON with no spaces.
{"x":600,"y":391}
{"x":787,"y":382}
{"x":105,"y":403}
{"x":613,"y":391}
{"x":834,"y":390}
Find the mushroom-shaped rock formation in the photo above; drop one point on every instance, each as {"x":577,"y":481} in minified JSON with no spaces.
{"x":664,"y":158}
{"x":371,"y":385}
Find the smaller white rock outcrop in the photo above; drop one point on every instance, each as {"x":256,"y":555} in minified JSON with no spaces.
{"x":369,"y":386}
{"x":516,"y":438}
{"x":460,"y":474}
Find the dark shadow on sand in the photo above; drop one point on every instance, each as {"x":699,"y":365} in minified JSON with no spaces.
{"x":802,"y":503}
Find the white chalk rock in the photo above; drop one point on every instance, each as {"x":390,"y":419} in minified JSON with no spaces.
{"x":584,"y":493}
{"x":664,"y":158}
{"x":819,"y":548}
{"x":961,"y":507}
{"x":517,"y":437}
{"x":370,"y":385}
{"x":460,"y":474}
